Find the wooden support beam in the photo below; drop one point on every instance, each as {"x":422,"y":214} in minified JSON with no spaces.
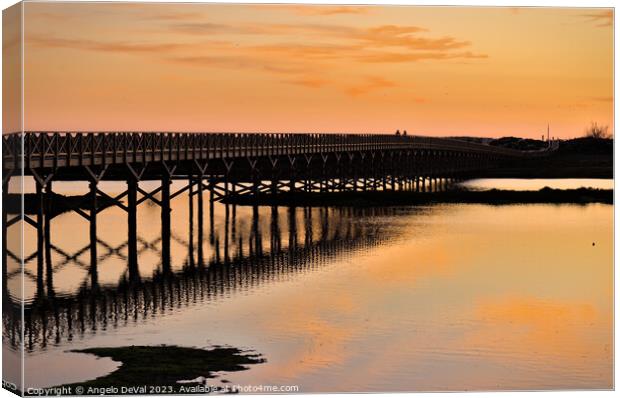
{"x":115,"y":200}
{"x":185,"y":188}
{"x":14,"y":219}
{"x":40,"y":235}
{"x":190,"y":197}
{"x":149,"y":196}
{"x":93,"y":234}
{"x":132,"y":229}
{"x":165,"y":222}
{"x":200,"y":242}
{"x":5,"y":226}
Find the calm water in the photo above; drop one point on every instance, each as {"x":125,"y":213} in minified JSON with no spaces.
{"x":444,"y":297}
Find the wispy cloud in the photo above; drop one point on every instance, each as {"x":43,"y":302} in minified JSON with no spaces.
{"x":383,"y":35}
{"x":310,"y":10}
{"x":299,"y":54}
{"x":333,"y":10}
{"x":392,"y":57}
{"x":172,"y":16}
{"x":310,"y":29}
{"x":54,"y":16}
{"x":93,"y":45}
{"x":308,"y":81}
{"x":396,"y":29}
{"x":403,"y":36}
{"x":602,"y":99}
{"x":602,"y":18}
{"x":370,"y":83}
{"x":357,"y":44}
{"x":240,"y":62}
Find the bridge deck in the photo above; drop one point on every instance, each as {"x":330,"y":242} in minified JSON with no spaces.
{"x":51,"y":150}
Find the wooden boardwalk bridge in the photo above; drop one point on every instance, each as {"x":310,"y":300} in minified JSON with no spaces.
{"x":295,"y":158}
{"x":235,"y":163}
{"x":224,"y":165}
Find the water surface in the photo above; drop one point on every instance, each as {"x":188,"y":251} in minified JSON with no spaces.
{"x":442,"y":297}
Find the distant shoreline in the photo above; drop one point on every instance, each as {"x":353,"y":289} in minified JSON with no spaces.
{"x":584,"y":157}
{"x":562,"y":171}
{"x":61,"y":203}
{"x":373,"y":199}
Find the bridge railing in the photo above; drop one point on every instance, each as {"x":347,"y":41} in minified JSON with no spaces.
{"x":41,"y":148}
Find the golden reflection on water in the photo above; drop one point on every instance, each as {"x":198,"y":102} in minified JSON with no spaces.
{"x":460,"y":301}
{"x":446,"y":297}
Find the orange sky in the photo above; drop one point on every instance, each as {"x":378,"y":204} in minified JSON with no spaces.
{"x":290,"y":68}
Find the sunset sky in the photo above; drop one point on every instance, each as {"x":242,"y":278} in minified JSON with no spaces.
{"x":291,"y":68}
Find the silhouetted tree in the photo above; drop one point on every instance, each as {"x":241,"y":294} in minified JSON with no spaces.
{"x":597,"y":132}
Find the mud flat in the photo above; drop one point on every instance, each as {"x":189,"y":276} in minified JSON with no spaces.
{"x":162,"y":369}
{"x":492,"y":197}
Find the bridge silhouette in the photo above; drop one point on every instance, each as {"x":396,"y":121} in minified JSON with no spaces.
{"x":231,"y":164}
{"x":308,"y":162}
{"x":217,"y":165}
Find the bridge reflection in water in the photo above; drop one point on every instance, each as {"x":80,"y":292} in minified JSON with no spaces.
{"x":263,"y":245}
{"x":215,"y":165}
